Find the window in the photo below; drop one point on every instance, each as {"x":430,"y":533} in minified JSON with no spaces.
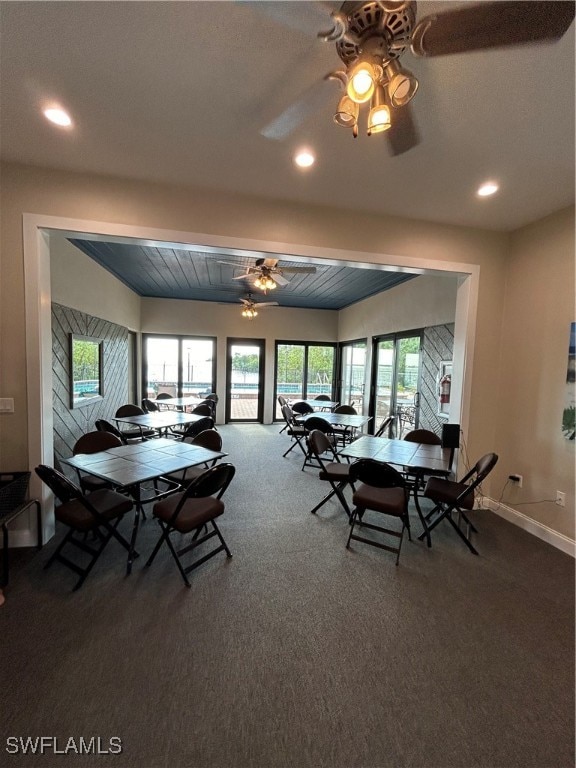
{"x":303,"y":371}
{"x":178,"y":365}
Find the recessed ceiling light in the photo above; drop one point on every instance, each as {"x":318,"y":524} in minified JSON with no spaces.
{"x":58,"y":117}
{"x":487,"y":189}
{"x":304,"y":158}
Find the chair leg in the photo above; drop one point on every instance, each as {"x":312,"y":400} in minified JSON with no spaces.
{"x":462,"y":535}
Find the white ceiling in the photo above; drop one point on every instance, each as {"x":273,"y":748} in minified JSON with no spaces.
{"x":178,"y":92}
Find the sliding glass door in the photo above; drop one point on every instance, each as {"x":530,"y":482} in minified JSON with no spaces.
{"x":245,"y":380}
{"x":352,"y":374}
{"x":396,"y":380}
{"x":303,"y":370}
{"x":178,"y":365}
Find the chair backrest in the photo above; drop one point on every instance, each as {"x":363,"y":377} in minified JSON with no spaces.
{"x":479,"y":472}
{"x":163,"y":396}
{"x":346,"y":409}
{"x":385,"y":428}
{"x":281,"y":400}
{"x":319,"y":444}
{"x":317,"y":422}
{"x":326,"y":398}
{"x":302,"y":408}
{"x":62,"y":488}
{"x":212,"y":396}
{"x":203,"y":410}
{"x":376,"y":473}
{"x":208,"y":438}
{"x":484,"y":466}
{"x":104,"y":426}
{"x":92,"y":442}
{"x":424,"y":436}
{"x":288,"y":414}
{"x":130,"y":409}
{"x":149,"y":405}
{"x":213,"y":481}
{"x":198,"y":426}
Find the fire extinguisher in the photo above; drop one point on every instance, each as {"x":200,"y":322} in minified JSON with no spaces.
{"x":444,"y":389}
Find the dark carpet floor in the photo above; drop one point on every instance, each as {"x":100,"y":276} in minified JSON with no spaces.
{"x":297,"y":652}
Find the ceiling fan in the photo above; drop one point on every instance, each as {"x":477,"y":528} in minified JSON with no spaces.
{"x":372,"y":35}
{"x":250,"y":307}
{"x":266,"y":274}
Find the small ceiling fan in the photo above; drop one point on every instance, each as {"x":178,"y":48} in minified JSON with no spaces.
{"x":251,"y":307}
{"x":266,"y":274}
{"x":372,"y":35}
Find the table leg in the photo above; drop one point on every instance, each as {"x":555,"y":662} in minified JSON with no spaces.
{"x":425,"y":531}
{"x":135,"y":491}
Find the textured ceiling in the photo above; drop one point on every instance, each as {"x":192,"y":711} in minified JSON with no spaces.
{"x":177,"y":274}
{"x":179,"y":92}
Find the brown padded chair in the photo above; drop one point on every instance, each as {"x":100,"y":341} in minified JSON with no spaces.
{"x":208,"y":438}
{"x":345,"y":434}
{"x":332,"y":469}
{"x":92,"y":442}
{"x":196,"y":427}
{"x":160,"y":404}
{"x":296,"y":431}
{"x":301,"y":408}
{"x":312,"y":423}
{"x":204,"y":409}
{"x":150,"y":406}
{"x":449,"y":496}
{"x":105,"y":426}
{"x":382,"y":489}
{"x":100,"y":512}
{"x":134,"y":433}
{"x":190,"y":511}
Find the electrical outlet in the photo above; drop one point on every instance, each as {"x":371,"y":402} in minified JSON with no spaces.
{"x":560,"y":499}
{"x":516,"y":479}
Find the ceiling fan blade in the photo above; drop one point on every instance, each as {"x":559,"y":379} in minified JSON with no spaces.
{"x":311,"y":101}
{"x":279,"y":279}
{"x":299,"y":270}
{"x":491,"y":25}
{"x":403,"y":134}
{"x":271,"y":263}
{"x":243,"y":277}
{"x":303,"y":17}
{"x":266,"y":304}
{"x":231,"y":264}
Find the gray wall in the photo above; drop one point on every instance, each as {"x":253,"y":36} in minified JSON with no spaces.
{"x":71,"y":423}
{"x":437,"y":345}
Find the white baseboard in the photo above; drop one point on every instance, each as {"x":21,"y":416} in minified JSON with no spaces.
{"x":540,"y":530}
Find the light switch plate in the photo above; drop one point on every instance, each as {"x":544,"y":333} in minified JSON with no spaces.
{"x":6,"y":405}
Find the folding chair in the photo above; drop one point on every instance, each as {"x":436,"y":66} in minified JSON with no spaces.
{"x":100,"y":512}
{"x":449,"y":496}
{"x":382,"y":489}
{"x":93,"y":442}
{"x":210,"y":439}
{"x":312,"y":423}
{"x":333,"y":471}
{"x":296,"y":431}
{"x":190,"y":511}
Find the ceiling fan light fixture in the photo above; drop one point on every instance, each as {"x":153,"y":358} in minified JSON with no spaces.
{"x":265,"y":283}
{"x":249,"y":313}
{"x":487,"y":189}
{"x":304,"y":158}
{"x":347,"y":112}
{"x":379,"y":116}
{"x":361,"y":82}
{"x":402,"y":85}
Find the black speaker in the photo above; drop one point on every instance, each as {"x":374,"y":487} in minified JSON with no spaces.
{"x":450,"y":436}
